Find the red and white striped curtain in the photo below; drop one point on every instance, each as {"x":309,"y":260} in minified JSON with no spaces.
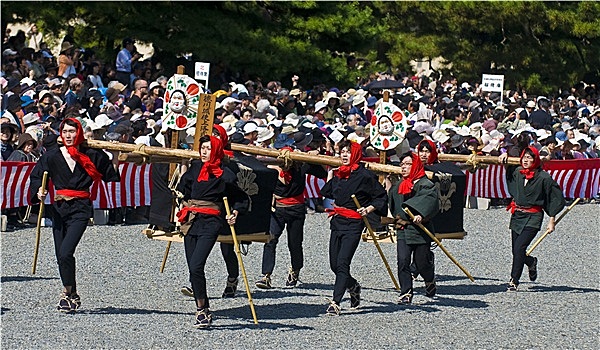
{"x":134,"y":189}
{"x":578,"y":179}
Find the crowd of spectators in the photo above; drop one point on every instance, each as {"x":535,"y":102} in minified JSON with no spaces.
{"x":123,"y":101}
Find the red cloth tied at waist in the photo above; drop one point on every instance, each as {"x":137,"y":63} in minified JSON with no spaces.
{"x":512,"y":207}
{"x":67,"y":194}
{"x":183,"y":213}
{"x":345,"y":212}
{"x":299,"y":199}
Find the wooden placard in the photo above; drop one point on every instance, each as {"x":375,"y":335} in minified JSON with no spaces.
{"x":205,"y":119}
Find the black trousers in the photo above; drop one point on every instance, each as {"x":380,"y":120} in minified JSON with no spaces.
{"x":520,"y":242}
{"x":422,"y":256}
{"x":198,"y":244}
{"x":67,"y":234}
{"x":293,"y":217}
{"x":342,"y":246}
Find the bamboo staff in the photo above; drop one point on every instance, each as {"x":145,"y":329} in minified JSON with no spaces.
{"x":38,"y":232}
{"x":539,"y":240}
{"x":437,"y":241}
{"x":374,"y":238}
{"x":239,"y":256}
{"x":172,"y":155}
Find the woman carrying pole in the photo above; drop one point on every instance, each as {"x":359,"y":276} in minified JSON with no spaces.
{"x":534,"y":192}
{"x":203,"y":186}
{"x":73,"y":169}
{"x":346,"y":222}
{"x":416,"y":192}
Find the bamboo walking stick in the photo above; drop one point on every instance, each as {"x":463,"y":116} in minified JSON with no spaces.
{"x":437,"y":241}
{"x":39,"y":225}
{"x":374,"y":238}
{"x":539,"y":240}
{"x":236,"y":246}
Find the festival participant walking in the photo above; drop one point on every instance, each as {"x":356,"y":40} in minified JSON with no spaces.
{"x":72,"y":168}
{"x":534,"y":192}
{"x":203,"y":186}
{"x":346,"y":224}
{"x":290,"y":213}
{"x":416,"y":192}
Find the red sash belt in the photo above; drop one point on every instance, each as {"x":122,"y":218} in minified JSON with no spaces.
{"x":66,"y":193}
{"x":183,"y":213}
{"x":512,"y":207}
{"x":299,"y":199}
{"x":345,"y":212}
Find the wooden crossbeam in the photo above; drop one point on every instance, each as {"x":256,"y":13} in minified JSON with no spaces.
{"x":176,"y":237}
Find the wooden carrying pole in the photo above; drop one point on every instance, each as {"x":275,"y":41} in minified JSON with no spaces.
{"x":539,"y":240}
{"x":39,"y":224}
{"x":236,"y":246}
{"x":437,"y":241}
{"x":461,"y":158}
{"x":173,"y":154}
{"x":374,"y":238}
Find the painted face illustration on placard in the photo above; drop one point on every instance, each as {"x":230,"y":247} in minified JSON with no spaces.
{"x":177,"y":102}
{"x":386,"y":126}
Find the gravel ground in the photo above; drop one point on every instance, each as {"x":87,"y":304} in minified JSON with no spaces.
{"x":127,"y":303}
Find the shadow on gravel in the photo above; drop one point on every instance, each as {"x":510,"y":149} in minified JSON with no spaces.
{"x":538,"y":288}
{"x":472,"y":289}
{"x":249,"y":325}
{"x":441,"y":278}
{"x":277,"y":293}
{"x":24,"y":278}
{"x":130,"y":311}
{"x":281,"y":311}
{"x":3,"y":310}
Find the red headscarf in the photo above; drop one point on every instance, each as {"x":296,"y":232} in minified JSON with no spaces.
{"x":344,"y":171}
{"x":79,"y":157}
{"x":213,"y":165}
{"x":224,"y":137}
{"x":416,"y":172}
{"x":529,"y":173}
{"x":433,"y":156}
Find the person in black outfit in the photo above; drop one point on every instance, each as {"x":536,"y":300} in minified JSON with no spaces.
{"x":203,"y":216}
{"x":290,"y":212}
{"x":346,"y":222}
{"x":73,"y":169}
{"x":540,"y":118}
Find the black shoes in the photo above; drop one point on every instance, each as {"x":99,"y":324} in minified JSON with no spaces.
{"x":230,"y":288}
{"x":68,"y":303}
{"x":333,"y":309}
{"x":203,"y":318}
{"x":355,"y":295}
{"x":533,"y":270}
{"x":292,"y":278}
{"x":430,"y":289}
{"x":512,"y":286}
{"x":405,"y":299}
{"x":264,"y":282}
{"x":187,"y":291}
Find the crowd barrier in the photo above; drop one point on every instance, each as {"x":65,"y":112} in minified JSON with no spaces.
{"x":577,"y":178}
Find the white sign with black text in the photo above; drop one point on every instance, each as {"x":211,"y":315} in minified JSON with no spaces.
{"x":201,"y":72}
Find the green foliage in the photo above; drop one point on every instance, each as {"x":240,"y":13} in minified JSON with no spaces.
{"x":537,"y":45}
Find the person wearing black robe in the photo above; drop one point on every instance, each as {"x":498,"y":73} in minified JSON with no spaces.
{"x":72,"y":169}
{"x":533,"y":192}
{"x":417,"y":193}
{"x":203,"y":216}
{"x":290,"y":213}
{"x":352,"y":178}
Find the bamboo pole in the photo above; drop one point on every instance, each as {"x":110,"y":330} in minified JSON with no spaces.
{"x":374,"y":238}
{"x":437,"y":241}
{"x":236,"y":246}
{"x":555,"y":223}
{"x":269,"y":152}
{"x":461,"y":158}
{"x":38,"y":228}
